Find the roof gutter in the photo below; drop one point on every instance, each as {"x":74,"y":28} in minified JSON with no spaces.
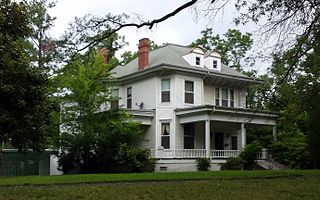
{"x":164,"y":66}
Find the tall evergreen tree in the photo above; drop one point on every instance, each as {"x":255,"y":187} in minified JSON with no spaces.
{"x":24,"y":103}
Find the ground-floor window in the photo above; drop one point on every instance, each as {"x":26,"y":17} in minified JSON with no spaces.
{"x":165,"y":135}
{"x":189,"y":130}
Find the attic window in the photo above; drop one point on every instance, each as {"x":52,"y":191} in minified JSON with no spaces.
{"x":215,"y":64}
{"x":197,"y":60}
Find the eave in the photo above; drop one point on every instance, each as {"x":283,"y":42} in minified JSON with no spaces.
{"x":205,"y":73}
{"x":226,"y":114}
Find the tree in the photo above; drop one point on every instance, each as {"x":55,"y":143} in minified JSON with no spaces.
{"x":233,"y":47}
{"x":91,"y":138}
{"x":42,"y":48}
{"x":24,"y":102}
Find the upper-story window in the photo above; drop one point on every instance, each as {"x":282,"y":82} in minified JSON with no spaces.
{"x":224,"y":97}
{"x":215,"y":64}
{"x":197,"y":60}
{"x":189,"y":92}
{"x":129,"y":97}
{"x":114,"y":104}
{"x":165,"y":90}
{"x":217,"y":97}
{"x":231,"y":98}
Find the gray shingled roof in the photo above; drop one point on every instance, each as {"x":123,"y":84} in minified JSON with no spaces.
{"x":169,"y":54}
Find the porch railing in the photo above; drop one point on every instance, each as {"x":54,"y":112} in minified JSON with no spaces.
{"x":193,"y":153}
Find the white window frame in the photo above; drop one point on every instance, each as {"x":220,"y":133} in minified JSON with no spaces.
{"x":115,"y":93}
{"x":129,"y":98}
{"x":189,"y":92}
{"x":219,"y":98}
{"x":168,"y":90}
{"x":168,"y":124}
{"x":196,"y":59}
{"x":214,"y":64}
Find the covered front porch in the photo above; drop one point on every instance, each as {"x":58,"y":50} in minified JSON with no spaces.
{"x":213,"y":132}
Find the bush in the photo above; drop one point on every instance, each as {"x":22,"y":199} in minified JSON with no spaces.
{"x":135,"y":159}
{"x":235,"y":163}
{"x":292,"y":152}
{"x":203,"y":164}
{"x":249,"y":155}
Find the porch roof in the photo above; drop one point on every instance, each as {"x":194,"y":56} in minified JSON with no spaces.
{"x":145,"y":116}
{"x":225,"y":114}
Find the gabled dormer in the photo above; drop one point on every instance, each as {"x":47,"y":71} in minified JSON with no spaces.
{"x":199,"y":58}
{"x":196,"y":57}
{"x":213,"y":61}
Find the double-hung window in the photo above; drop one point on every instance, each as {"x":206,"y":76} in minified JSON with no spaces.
{"x":165,"y":135}
{"x":214,"y":64}
{"x":165,"y":90}
{"x":217,"y":91}
{"x":129,"y":97}
{"x":225,"y":98}
{"x":231,"y":98}
{"x":197,"y":60}
{"x":115,"y":99}
{"x":189,"y":92}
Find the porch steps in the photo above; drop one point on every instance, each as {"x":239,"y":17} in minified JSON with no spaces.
{"x":271,"y":164}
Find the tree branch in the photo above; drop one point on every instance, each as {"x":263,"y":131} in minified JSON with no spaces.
{"x":149,"y":24}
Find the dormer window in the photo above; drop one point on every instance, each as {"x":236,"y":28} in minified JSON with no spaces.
{"x":197,"y":60}
{"x":215,"y":64}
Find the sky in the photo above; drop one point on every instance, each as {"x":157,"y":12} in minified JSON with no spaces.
{"x":182,"y":29}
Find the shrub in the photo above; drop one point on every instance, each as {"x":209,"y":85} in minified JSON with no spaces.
{"x":249,"y":155}
{"x":203,"y":164}
{"x":292,"y":152}
{"x":133,"y":159}
{"x":235,"y":163}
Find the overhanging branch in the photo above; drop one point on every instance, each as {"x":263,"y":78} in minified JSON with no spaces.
{"x":148,"y":24}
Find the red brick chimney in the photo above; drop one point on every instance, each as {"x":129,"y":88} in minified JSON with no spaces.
{"x":104,"y":53}
{"x":143,"y":53}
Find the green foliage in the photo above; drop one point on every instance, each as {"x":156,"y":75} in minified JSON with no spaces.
{"x":135,"y":159}
{"x":263,"y":135}
{"x":296,"y":70}
{"x":249,"y":155}
{"x":91,"y":138}
{"x":292,"y":152}
{"x":24,"y":102}
{"x":41,"y":47}
{"x":233,"y":47}
{"x":203,"y":164}
{"x":234,"y":163}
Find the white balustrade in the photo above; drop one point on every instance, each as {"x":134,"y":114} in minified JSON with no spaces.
{"x":193,"y":153}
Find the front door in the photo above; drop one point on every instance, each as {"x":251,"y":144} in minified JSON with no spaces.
{"x":218,"y":141}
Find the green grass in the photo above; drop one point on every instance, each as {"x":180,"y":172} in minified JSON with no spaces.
{"x":189,"y":185}
{"x":179,"y":176}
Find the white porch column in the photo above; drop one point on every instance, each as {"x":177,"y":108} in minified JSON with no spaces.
{"x":243,"y":136}
{"x":207,"y":135}
{"x":274,"y":132}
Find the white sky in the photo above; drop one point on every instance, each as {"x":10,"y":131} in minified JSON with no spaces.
{"x":181,"y":29}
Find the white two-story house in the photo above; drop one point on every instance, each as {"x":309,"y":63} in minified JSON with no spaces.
{"x":190,"y":105}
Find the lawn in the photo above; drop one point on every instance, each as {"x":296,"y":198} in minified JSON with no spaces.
{"x":190,"y":185}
